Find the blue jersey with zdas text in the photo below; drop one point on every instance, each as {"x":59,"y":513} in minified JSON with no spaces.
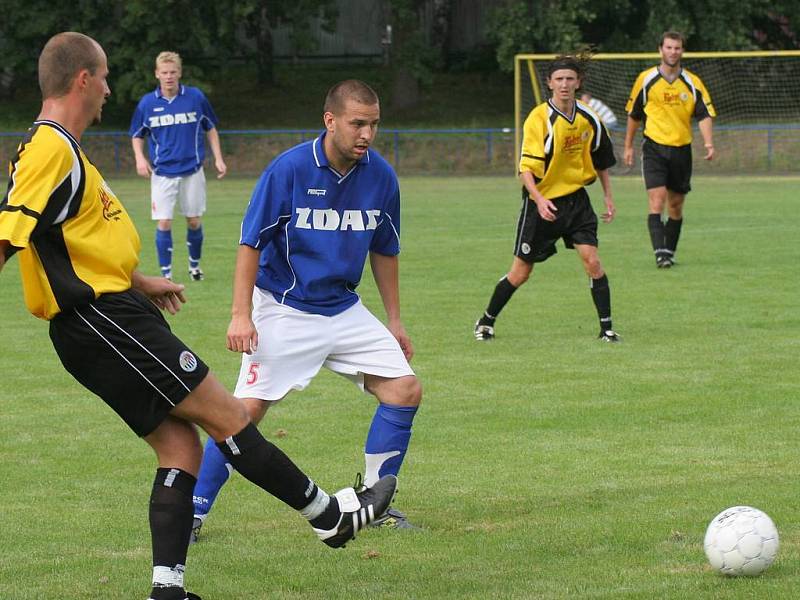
{"x":175,"y":128}
{"x":315,"y":226}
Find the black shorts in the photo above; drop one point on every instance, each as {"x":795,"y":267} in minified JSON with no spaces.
{"x":576,"y":223}
{"x":667,"y":166}
{"x":121,"y":348}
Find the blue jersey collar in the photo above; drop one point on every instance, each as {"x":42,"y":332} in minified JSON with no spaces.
{"x":160,"y":95}
{"x":318,"y":150}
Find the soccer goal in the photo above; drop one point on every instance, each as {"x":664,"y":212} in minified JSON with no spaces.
{"x":756,"y":94}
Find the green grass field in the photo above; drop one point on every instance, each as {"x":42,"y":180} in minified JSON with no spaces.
{"x":543,"y":465}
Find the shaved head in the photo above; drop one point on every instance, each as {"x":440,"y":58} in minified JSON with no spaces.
{"x":349,"y":89}
{"x":63,"y":56}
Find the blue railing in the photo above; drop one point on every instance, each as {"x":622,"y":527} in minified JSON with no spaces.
{"x":122,"y":152}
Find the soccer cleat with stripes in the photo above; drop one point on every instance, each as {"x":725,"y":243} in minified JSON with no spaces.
{"x":196,"y":274}
{"x":609,"y":336}
{"x":483,"y":333}
{"x":358,"y":509}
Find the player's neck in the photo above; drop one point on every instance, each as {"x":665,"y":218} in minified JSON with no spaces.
{"x":670,"y":72}
{"x":60,"y":110}
{"x":564,"y":106}
{"x":168,"y":93}
{"x":336,"y":161}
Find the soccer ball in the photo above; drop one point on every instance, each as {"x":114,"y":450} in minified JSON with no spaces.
{"x":741,"y":540}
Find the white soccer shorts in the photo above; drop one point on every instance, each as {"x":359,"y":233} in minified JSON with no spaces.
{"x":188,"y":190}
{"x":293,"y":345}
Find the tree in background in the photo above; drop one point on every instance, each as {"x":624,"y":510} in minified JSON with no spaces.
{"x":546,"y":26}
{"x":411,"y":58}
{"x":260,"y":17}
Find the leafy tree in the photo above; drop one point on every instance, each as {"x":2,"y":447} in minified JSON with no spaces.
{"x":261,"y":16}
{"x":635,"y":26}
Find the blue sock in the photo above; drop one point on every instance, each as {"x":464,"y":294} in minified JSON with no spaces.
{"x":387,"y":441}
{"x":214,"y":472}
{"x":164,"y":249}
{"x":194,"y":240}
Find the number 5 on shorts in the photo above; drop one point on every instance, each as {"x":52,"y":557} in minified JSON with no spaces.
{"x":252,"y":373}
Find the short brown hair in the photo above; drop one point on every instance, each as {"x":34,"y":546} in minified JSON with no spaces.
{"x":672,"y":35}
{"x":62,"y":57}
{"x":349,"y":89}
{"x":168,"y":56}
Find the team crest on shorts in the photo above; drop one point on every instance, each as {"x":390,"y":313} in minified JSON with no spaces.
{"x":526,"y":249}
{"x":187,"y":361}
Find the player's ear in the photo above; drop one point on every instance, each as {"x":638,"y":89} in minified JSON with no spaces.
{"x":328,"y":119}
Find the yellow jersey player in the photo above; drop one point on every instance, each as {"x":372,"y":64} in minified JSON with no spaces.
{"x":666,"y":98}
{"x":565,"y":147}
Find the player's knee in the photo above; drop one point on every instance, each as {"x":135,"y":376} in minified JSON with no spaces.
{"x":412,"y":392}
{"x":517,"y":277}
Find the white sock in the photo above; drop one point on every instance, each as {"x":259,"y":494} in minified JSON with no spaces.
{"x":168,"y":576}
{"x":317,"y":506}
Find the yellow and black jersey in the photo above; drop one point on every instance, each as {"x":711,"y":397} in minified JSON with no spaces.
{"x":75,"y":239}
{"x":667,"y":108}
{"x":564,"y":152}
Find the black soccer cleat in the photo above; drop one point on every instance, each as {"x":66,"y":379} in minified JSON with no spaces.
{"x":393,"y":519}
{"x":483,"y":333}
{"x":609,"y":336}
{"x":358,"y":509}
{"x":196,"y":274}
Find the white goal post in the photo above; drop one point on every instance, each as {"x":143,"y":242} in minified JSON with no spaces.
{"x":756,"y":94}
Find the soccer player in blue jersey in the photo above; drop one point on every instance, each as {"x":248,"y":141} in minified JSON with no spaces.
{"x":174,"y":118}
{"x":316,"y":213}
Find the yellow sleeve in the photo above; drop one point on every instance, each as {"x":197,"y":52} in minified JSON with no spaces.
{"x":41,"y":182}
{"x":533,"y":134}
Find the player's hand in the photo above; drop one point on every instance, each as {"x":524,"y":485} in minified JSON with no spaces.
{"x":399,"y":333}
{"x":165,"y":294}
{"x":547,"y":210}
{"x":221,"y":168}
{"x":611,"y":210}
{"x":143,"y":168}
{"x":242,"y":335}
{"x":709,"y":152}
{"x":627,"y":157}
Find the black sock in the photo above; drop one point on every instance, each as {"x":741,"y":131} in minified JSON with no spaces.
{"x":265,"y":465}
{"x":171,"y":516}
{"x":672,"y":232}
{"x":500,"y":297}
{"x":656,"y":228}
{"x":601,"y":295}
{"x":329,"y":517}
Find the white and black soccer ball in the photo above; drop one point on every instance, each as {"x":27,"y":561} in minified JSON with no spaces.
{"x":741,"y":540}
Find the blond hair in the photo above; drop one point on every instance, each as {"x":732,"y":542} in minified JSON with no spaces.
{"x":168,"y":56}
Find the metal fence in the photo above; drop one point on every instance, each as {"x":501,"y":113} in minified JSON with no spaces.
{"x":742,"y":149}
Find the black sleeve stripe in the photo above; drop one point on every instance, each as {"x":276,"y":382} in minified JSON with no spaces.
{"x":23,"y":209}
{"x":532,"y":156}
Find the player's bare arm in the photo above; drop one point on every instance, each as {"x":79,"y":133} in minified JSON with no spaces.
{"x":216,"y":150}
{"x":143,"y":167}
{"x":547,"y":210}
{"x":608,"y":198}
{"x":165,"y":294}
{"x":386,"y":271}
{"x":242,"y":335}
{"x":630,"y":132}
{"x":706,"y":130}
